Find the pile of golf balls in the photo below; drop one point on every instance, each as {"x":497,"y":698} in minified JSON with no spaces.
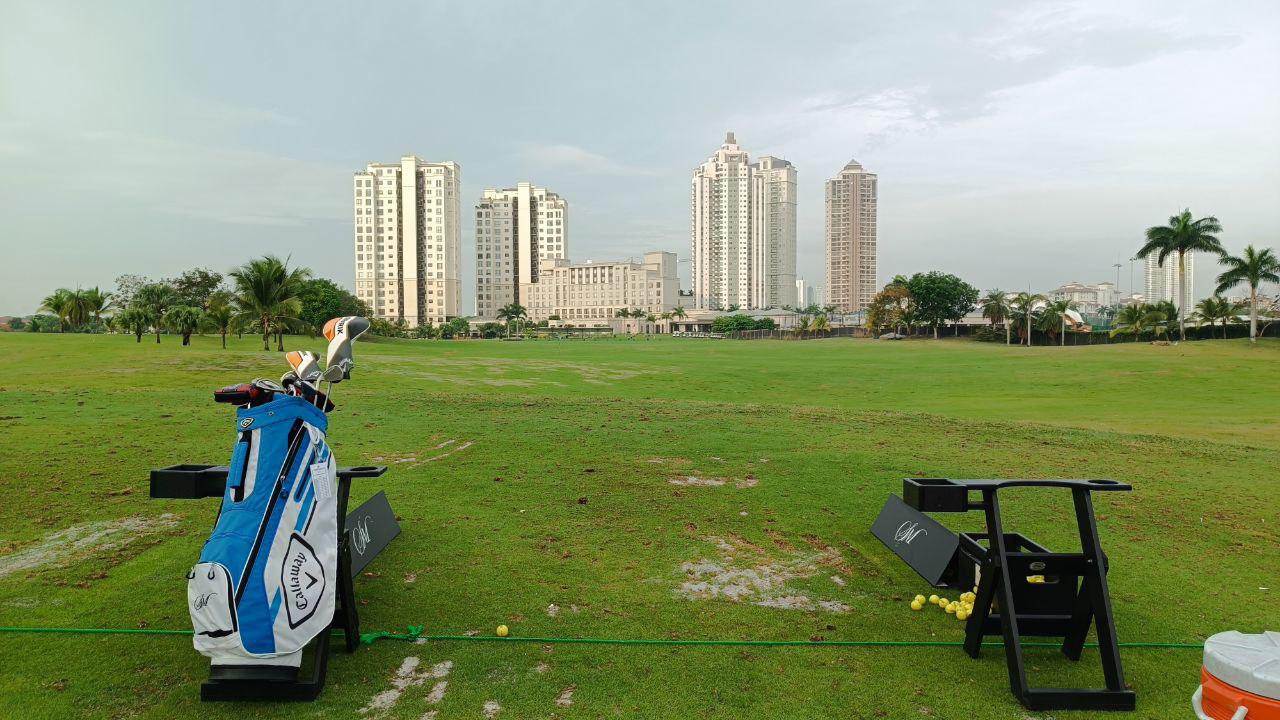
{"x":961,"y":608}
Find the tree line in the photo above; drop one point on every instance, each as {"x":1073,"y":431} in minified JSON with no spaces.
{"x":265,"y":295}
{"x":933,"y":299}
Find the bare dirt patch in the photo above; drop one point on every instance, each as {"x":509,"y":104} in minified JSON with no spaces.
{"x":79,"y":542}
{"x":432,"y":454}
{"x":565,"y":698}
{"x":697,"y":481}
{"x":405,"y":677}
{"x":745,"y":572}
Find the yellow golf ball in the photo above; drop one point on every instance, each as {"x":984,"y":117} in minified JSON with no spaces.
{"x":502,"y":631}
{"x":916,"y":605}
{"x":919,"y":599}
{"x":962,"y":614}
{"x":933,"y":599}
{"x":951,"y":608}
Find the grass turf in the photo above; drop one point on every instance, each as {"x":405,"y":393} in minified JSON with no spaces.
{"x":564,"y":498}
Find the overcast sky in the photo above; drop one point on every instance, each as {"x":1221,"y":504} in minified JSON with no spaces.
{"x":1018,"y":144}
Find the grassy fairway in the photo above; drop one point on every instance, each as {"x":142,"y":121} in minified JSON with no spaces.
{"x":560,"y":517}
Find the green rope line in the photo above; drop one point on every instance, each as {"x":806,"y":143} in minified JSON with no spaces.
{"x":414,"y":633}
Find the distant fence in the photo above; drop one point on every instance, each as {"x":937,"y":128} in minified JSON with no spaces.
{"x":793,"y":334}
{"x":1096,"y":337}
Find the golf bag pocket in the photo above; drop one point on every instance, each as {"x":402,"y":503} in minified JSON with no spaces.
{"x":211,"y":599}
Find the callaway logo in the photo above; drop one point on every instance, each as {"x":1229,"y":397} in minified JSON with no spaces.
{"x":246,"y":423}
{"x":202,"y":601}
{"x":300,"y":580}
{"x":908,"y":531}
{"x":360,"y":535}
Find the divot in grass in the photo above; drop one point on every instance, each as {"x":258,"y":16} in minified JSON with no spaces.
{"x":565,"y":699}
{"x":79,"y":542}
{"x":491,"y":709}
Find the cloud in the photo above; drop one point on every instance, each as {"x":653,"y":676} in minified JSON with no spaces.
{"x":221,"y":113}
{"x":576,"y":159}
{"x":162,"y":175}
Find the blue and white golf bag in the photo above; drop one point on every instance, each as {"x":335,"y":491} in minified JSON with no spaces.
{"x":265,"y":583}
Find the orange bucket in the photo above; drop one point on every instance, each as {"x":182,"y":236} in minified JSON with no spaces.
{"x":1240,"y":679}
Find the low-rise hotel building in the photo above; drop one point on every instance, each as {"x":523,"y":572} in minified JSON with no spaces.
{"x":596,"y":291}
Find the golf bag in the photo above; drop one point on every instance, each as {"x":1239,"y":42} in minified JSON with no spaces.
{"x":265,"y":583}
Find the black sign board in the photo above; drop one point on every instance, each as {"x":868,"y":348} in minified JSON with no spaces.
{"x":372,"y":526}
{"x":922,"y":542}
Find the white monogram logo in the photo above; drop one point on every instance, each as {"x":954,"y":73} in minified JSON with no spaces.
{"x":360,"y":535}
{"x":908,"y":531}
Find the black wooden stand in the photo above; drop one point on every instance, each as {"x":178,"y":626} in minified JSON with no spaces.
{"x":1072,"y":598}
{"x":279,"y":682}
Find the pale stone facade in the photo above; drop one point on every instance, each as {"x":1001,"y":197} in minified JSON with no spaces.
{"x":407,"y":255}
{"x":518,"y":230}
{"x":851,"y":239}
{"x":743,"y":230}
{"x":596,"y":291}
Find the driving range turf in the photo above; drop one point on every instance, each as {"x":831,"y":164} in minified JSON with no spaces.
{"x":546,"y":485}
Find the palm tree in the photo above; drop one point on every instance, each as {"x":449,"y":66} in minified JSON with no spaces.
{"x":1253,"y":268}
{"x":183,"y":319}
{"x":1139,"y":318}
{"x":155,"y":299}
{"x":59,"y":303}
{"x":995,"y":307}
{"x":803,"y":326}
{"x":678,"y":312}
{"x":220,"y":318}
{"x":97,"y":302}
{"x":509,"y":313}
{"x":135,"y":320}
{"x":1182,"y":235}
{"x":267,"y":295}
{"x":1053,"y":320}
{"x":1023,"y":308}
{"x":821,"y":324}
{"x":1213,"y":310}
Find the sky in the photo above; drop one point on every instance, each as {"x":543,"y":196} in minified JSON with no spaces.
{"x":1018,"y":144}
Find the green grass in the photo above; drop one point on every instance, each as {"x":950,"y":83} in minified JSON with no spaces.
{"x":565,"y":497}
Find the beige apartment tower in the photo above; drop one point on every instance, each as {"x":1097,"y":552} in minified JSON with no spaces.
{"x":517,"y":231}
{"x":407,"y":251}
{"x":851,"y":239}
{"x":743,"y":231}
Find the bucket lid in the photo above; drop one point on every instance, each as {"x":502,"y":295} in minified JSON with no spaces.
{"x":1249,"y":662}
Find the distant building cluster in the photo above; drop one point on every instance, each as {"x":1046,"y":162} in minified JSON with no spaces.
{"x":407,"y":251}
{"x":1087,"y":299}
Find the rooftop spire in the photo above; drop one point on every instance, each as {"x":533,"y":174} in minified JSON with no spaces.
{"x":729,"y":139}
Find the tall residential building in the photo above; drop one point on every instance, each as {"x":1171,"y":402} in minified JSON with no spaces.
{"x":802,"y":292}
{"x":743,"y":219}
{"x":517,"y":230}
{"x":407,"y":251}
{"x":1162,"y":281}
{"x":597,"y":291}
{"x":851,"y":238}
{"x":773,"y":231}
